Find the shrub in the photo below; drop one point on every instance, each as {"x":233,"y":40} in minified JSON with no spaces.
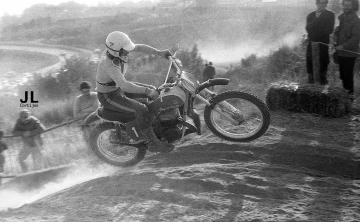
{"x":64,"y":83}
{"x":192,"y":61}
{"x":284,"y":63}
{"x":55,"y":112}
{"x":285,"y":60}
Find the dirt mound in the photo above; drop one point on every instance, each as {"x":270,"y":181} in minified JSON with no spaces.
{"x":295,"y":172}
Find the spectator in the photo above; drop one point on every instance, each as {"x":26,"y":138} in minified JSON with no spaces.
{"x":347,"y":38}
{"x":209,"y":72}
{"x":29,"y":128}
{"x":3,"y":147}
{"x":85,"y":103}
{"x":319,"y":26}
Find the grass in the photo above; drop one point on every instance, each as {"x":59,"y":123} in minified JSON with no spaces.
{"x":61,"y":146}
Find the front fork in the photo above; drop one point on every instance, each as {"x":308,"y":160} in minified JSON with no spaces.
{"x":196,"y":118}
{"x":227,"y":110}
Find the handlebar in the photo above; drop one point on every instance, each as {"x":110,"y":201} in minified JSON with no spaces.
{"x":175,"y":64}
{"x":172,"y":62}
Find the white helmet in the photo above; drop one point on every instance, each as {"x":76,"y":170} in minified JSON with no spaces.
{"x":116,"y":41}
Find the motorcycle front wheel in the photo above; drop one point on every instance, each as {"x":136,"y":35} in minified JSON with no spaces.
{"x":237,"y":116}
{"x":112,"y":148}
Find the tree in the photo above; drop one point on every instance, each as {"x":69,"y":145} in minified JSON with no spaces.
{"x":192,"y":61}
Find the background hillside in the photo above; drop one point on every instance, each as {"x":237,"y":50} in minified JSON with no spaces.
{"x":252,"y":43}
{"x":214,"y":27}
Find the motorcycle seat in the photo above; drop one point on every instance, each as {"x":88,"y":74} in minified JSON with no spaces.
{"x":115,"y":116}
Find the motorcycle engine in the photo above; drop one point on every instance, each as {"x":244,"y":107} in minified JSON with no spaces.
{"x":167,"y":127}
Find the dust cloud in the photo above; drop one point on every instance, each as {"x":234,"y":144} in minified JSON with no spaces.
{"x":221,"y":52}
{"x":13,"y":198}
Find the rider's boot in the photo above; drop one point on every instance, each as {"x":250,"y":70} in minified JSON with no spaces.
{"x":155,"y":145}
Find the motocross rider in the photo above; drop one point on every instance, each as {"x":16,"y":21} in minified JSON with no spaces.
{"x":112,"y":85}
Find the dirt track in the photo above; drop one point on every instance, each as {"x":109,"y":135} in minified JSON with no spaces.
{"x":9,"y":80}
{"x":58,"y":51}
{"x":304,"y":169}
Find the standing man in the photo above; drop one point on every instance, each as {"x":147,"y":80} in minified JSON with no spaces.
{"x":29,"y":128}
{"x":347,"y":38}
{"x":205,"y":72}
{"x":3,"y":147}
{"x":87,"y":102}
{"x":319,"y":26}
{"x":209,"y":72}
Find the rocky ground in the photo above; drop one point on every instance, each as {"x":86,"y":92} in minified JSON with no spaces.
{"x":305,"y":168}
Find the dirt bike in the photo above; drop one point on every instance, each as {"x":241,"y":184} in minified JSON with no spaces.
{"x":233,"y":115}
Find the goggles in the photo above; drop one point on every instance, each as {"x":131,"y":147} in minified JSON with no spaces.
{"x":123,"y":54}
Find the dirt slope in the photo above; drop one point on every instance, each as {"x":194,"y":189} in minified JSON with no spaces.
{"x":305,"y":168}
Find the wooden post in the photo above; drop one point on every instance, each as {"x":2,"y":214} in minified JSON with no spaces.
{"x":315,"y":50}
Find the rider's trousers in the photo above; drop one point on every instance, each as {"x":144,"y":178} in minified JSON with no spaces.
{"x":36,"y":155}
{"x":117,"y":101}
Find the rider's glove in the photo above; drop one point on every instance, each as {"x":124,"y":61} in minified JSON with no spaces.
{"x":165,"y":53}
{"x":151,"y":87}
{"x":152,"y":93}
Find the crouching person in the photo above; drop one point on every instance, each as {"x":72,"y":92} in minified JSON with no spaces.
{"x":29,"y":128}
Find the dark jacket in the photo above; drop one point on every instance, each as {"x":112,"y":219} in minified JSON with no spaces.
{"x":209,"y":72}
{"x":347,"y":34}
{"x":33,"y":125}
{"x":319,"y":29}
{"x":3,"y":146}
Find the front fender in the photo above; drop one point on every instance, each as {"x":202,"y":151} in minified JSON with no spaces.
{"x":212,"y":82}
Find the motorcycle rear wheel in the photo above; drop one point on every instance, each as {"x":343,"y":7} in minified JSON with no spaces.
{"x":114,"y":153}
{"x":219,"y":112}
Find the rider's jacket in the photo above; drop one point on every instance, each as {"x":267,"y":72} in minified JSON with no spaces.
{"x":111,"y":76}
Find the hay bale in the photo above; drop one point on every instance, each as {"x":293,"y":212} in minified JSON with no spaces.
{"x":310,"y":98}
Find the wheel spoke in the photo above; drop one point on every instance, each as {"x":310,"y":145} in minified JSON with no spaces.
{"x":237,"y":118}
{"x":115,"y":152}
